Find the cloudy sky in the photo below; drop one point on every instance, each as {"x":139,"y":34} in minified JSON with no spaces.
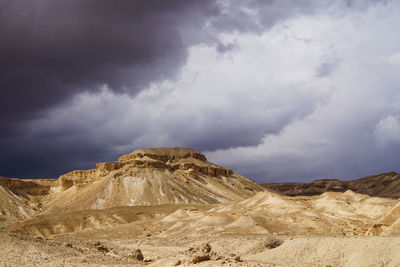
{"x":278,"y":90}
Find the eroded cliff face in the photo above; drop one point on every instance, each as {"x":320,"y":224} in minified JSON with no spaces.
{"x":170,"y":159}
{"x":149,"y":177}
{"x":164,"y":154}
{"x":21,"y":198}
{"x":27,"y":187}
{"x":13,"y":208}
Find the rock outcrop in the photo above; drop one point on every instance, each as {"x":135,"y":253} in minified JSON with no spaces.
{"x":150,"y":177}
{"x":164,"y":154}
{"x":27,"y":187}
{"x":21,"y":198}
{"x":12,"y":207}
{"x":171,"y":159}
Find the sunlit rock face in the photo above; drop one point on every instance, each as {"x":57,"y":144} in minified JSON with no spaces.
{"x":149,"y":177}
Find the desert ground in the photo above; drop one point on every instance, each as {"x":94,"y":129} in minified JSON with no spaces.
{"x":235,"y":250}
{"x":171,"y":207}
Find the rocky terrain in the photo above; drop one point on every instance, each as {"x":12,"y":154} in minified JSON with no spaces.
{"x":170,"y":207}
{"x":381,"y":185}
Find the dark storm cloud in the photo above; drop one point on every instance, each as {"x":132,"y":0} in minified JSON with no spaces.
{"x":47,"y":157}
{"x":52,"y":50}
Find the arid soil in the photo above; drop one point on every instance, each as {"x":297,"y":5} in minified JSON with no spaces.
{"x":170,"y":207}
{"x":239,"y":250}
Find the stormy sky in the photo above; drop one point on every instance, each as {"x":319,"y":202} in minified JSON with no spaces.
{"x":278,"y":90}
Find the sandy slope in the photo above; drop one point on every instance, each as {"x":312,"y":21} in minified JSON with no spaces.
{"x":334,"y":214}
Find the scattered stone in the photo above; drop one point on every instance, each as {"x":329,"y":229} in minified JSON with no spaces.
{"x":201,"y":258}
{"x":206,"y":248}
{"x":274,"y":243}
{"x":178,"y":262}
{"x":137,"y":255}
{"x":100,"y":247}
{"x":238,"y":259}
{"x":69,"y":245}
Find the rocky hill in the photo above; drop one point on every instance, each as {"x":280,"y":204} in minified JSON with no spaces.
{"x":381,"y":185}
{"x":144,"y":177}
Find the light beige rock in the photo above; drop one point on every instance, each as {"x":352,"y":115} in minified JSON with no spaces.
{"x":150,"y":177}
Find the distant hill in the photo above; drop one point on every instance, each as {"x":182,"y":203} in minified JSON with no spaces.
{"x":381,"y":185}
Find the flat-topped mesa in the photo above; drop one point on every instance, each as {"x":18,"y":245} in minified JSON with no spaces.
{"x":204,"y":167}
{"x":171,"y":159}
{"x":176,"y":158}
{"x":150,"y":177}
{"x":164,"y":154}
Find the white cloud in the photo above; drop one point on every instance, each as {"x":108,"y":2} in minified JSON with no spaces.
{"x":262,"y":104}
{"x":394,"y":59}
{"x":387,"y":131}
{"x":220,"y":101}
{"x":338,"y":138}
